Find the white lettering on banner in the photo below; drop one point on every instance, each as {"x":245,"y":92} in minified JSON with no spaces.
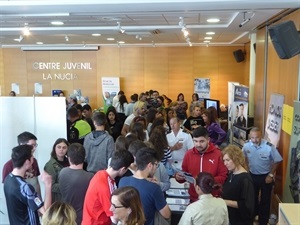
{"x":60,"y":76}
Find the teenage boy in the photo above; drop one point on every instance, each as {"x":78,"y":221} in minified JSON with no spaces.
{"x":22,"y":201}
{"x":151,"y":194}
{"x":96,"y":209}
{"x":31,"y":176}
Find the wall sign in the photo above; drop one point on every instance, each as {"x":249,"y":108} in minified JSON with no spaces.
{"x":64,"y":70}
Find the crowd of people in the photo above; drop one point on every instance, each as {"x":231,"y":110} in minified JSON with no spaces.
{"x":115,"y":167}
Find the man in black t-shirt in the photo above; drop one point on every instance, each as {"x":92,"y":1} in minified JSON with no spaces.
{"x":22,"y":201}
{"x":195,"y":120}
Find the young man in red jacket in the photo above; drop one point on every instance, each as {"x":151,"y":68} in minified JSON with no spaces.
{"x":203,"y":157}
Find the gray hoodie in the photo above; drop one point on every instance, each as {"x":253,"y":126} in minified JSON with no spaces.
{"x":99,"y":146}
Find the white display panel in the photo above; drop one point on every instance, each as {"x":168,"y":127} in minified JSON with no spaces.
{"x":45,"y":117}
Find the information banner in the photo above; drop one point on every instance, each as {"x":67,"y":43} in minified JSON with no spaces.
{"x":291,"y":192}
{"x":110,"y":88}
{"x":274,"y":119}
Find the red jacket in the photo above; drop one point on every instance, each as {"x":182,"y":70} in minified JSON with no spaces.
{"x":210,"y":161}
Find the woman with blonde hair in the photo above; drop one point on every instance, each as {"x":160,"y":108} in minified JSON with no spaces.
{"x":127,"y":207}
{"x":59,"y":213}
{"x":238,"y":189}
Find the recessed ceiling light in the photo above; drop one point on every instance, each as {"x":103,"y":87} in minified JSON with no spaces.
{"x":96,"y":35}
{"x":206,"y":41}
{"x":39,"y":43}
{"x":213,"y":20}
{"x":57,"y":23}
{"x":17,"y":39}
{"x":110,"y":39}
{"x":121,"y":42}
{"x":208,"y":38}
{"x":210,"y":33}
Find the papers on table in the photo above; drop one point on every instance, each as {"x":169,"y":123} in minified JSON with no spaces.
{"x":177,"y":201}
{"x":178,"y":196}
{"x":177,"y":192}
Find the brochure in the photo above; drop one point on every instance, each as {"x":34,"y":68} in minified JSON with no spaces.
{"x":187,"y":176}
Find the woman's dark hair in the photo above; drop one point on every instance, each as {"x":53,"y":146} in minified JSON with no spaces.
{"x":167,"y":99}
{"x":58,"y":141}
{"x":167,"y":116}
{"x":157,"y":122}
{"x":137,"y":129}
{"x":122,"y":100}
{"x":12,"y":93}
{"x":121,"y":144}
{"x":197,"y":96}
{"x":210,"y":116}
{"x":180,"y":94}
{"x":159,"y":140}
{"x":206,"y":182}
{"x":141,"y":120}
{"x":114,"y":111}
{"x":151,"y":115}
{"x":214,"y":112}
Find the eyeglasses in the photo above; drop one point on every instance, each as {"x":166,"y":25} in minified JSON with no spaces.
{"x":117,"y":206}
{"x":33,"y":145}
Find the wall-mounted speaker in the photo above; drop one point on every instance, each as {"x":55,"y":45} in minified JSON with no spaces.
{"x":239,"y":55}
{"x":285,"y":39}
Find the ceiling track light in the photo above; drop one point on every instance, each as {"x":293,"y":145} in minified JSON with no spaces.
{"x":120,"y":28}
{"x":66,"y":38}
{"x":184,"y":30}
{"x":246,"y":20}
{"x":26,"y":30}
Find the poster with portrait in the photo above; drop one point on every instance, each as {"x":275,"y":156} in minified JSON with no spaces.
{"x":239,"y":110}
{"x":202,"y":87}
{"x":274,"y":119}
{"x":110,"y":88}
{"x":291,"y":192}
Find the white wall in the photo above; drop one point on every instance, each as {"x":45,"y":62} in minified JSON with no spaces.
{"x":45,"y":117}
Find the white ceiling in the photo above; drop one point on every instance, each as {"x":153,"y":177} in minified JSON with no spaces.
{"x":155,"y":21}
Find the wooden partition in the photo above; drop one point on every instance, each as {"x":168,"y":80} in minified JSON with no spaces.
{"x":282,"y":78}
{"x":170,"y":70}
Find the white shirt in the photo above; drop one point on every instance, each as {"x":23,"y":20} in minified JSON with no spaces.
{"x":187,"y":143}
{"x":129,"y":119}
{"x":118,"y":107}
{"x":207,"y":210}
{"x":115,"y":100}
